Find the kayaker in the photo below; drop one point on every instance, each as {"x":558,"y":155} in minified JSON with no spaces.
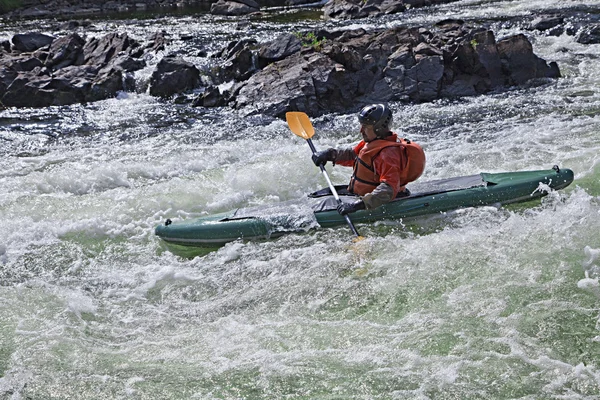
{"x":383,"y":163}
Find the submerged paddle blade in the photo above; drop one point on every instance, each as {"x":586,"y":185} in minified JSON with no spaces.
{"x":300,"y":124}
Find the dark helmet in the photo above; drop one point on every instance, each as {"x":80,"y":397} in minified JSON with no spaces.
{"x":378,"y":115}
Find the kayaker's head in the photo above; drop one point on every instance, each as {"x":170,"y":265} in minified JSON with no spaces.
{"x":375,"y":121}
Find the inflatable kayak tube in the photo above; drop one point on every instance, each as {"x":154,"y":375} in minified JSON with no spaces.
{"x":319,"y":210}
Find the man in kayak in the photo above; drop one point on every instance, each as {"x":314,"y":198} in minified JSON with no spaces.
{"x":383,"y":163}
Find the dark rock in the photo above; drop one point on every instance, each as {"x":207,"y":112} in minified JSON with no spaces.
{"x":173,"y":75}
{"x":157,"y":41}
{"x":101,"y":51}
{"x":227,"y":7}
{"x":353,"y":9}
{"x":551,"y":25}
{"x":240,"y":61}
{"x":28,"y":42}
{"x":405,"y":64}
{"x":128,"y":63}
{"x":212,"y":97}
{"x":106,"y":83}
{"x":70,"y":71}
{"x":519,"y":64}
{"x":545,"y":22}
{"x":66,"y":51}
{"x":27,"y":63}
{"x":589,"y":35}
{"x":282,"y":47}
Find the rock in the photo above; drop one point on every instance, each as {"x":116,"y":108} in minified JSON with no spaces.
{"x":240,"y":61}
{"x":545,"y":22}
{"x":28,"y":42}
{"x":157,"y":41}
{"x":70,"y":71}
{"x":353,"y":9}
{"x":173,"y":75}
{"x":102,"y":51}
{"x":212,"y":97}
{"x":519,"y":64}
{"x":282,"y":47}
{"x":402,"y":64}
{"x":233,"y":8}
{"x":589,"y":35}
{"x":66,"y":51}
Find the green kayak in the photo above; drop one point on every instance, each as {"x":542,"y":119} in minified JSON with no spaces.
{"x":319,"y":210}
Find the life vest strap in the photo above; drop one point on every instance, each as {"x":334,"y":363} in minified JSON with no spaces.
{"x":366,"y":182}
{"x":364,"y":164}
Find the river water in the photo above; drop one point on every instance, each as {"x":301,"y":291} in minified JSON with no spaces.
{"x":482,"y":303}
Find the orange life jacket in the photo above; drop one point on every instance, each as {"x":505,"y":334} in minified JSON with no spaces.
{"x":365,"y":179}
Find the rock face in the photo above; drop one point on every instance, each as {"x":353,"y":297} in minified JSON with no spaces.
{"x":315,"y":72}
{"x":352,"y":9}
{"x":403,"y":64}
{"x":42,"y":71}
{"x":173,"y":75}
{"x":238,"y":7}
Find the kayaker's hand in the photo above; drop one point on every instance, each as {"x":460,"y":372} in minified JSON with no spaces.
{"x":347,"y":208}
{"x":321,"y":157}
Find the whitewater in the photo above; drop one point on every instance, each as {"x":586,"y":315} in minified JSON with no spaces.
{"x":490,"y":302}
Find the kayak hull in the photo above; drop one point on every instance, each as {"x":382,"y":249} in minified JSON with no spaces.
{"x":427,"y":198}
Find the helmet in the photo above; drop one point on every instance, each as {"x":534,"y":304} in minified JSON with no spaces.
{"x":378,"y":115}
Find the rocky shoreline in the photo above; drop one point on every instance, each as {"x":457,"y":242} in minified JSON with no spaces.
{"x":338,"y":9}
{"x":315,"y":72}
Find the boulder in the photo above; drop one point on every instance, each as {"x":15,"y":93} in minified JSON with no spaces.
{"x":240,"y":61}
{"x":173,"y":75}
{"x":28,"y":42}
{"x":66,"y":51}
{"x":283,"y":46}
{"x":519,"y":64}
{"x":234,"y":8}
{"x":71,"y":70}
{"x":353,"y":9}
{"x":589,"y":34}
{"x":357,"y":67}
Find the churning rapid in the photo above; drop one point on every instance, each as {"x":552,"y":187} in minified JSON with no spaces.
{"x":491,"y":302}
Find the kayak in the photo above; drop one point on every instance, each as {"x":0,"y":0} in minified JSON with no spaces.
{"x":318,"y":210}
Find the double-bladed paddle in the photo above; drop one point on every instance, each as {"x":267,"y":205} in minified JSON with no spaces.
{"x":301,"y":126}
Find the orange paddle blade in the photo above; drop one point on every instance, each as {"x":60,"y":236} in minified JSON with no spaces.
{"x":300,"y":124}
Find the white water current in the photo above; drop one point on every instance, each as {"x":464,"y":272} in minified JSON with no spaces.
{"x":485,"y":303}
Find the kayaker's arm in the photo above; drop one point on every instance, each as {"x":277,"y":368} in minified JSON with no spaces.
{"x":344,"y":157}
{"x":382,"y":194}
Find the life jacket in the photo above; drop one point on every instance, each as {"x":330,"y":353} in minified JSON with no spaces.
{"x":365,"y":179}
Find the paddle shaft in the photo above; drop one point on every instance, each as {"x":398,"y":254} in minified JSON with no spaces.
{"x":335,"y":194}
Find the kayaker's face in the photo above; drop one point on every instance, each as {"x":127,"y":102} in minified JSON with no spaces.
{"x":368,"y":133}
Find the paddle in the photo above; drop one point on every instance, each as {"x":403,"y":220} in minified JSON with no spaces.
{"x":301,"y":126}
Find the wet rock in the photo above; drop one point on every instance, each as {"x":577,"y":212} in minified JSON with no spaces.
{"x":239,"y":7}
{"x":157,"y":41}
{"x":212,"y":97}
{"x":282,"y":47}
{"x":71,"y":70}
{"x":28,"y":42}
{"x":552,"y":25}
{"x":353,"y":9}
{"x":519,"y":64}
{"x":401,"y":64}
{"x":173,"y":75}
{"x":589,"y":35}
{"x":66,"y":51}
{"x":104,"y":50}
{"x":240,"y":61}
